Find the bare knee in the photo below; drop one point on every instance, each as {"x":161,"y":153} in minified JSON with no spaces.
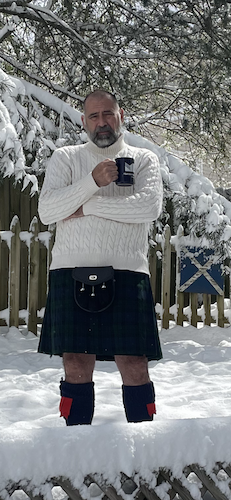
{"x":78,"y":367}
{"x":133,"y":369}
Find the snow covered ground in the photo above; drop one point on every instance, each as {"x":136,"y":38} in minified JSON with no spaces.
{"x":192,"y":425}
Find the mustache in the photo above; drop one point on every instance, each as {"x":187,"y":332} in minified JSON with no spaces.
{"x":105,"y":128}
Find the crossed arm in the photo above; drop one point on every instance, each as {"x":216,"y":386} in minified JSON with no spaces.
{"x":103,"y":174}
{"x":62,"y":199}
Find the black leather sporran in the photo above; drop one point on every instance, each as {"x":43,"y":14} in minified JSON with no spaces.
{"x":94,"y":288}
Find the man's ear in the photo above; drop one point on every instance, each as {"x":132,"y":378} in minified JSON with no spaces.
{"x":83,"y":121}
{"x":122,"y":114}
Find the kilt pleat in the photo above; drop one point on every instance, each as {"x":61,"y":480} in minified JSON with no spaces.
{"x":127,"y":327}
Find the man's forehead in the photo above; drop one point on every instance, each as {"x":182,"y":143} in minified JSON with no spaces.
{"x":97,"y":103}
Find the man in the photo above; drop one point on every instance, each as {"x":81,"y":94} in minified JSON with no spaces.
{"x":99,"y":223}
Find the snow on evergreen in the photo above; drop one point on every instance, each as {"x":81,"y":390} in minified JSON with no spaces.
{"x":27,"y":135}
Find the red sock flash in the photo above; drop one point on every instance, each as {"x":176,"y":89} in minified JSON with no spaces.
{"x":151,"y":407}
{"x":65,"y":406}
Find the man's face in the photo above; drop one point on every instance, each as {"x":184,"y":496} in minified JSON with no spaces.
{"x":102,"y":120}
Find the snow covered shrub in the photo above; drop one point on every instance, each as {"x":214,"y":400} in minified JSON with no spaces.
{"x":196,"y":205}
{"x":12,"y":159}
{"x":33,"y":123}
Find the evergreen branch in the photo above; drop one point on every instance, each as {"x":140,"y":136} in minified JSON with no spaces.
{"x":54,"y":41}
{"x":8,"y":3}
{"x":6,"y":31}
{"x":60,"y":25}
{"x":35,"y":13}
{"x":33,"y":76}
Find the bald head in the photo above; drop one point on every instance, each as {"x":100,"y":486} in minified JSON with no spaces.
{"x":102,"y":118}
{"x":99,"y":94}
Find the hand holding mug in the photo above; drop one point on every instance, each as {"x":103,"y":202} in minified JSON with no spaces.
{"x":105,"y":172}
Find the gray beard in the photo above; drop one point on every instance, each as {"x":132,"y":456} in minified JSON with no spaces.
{"x":104,"y":142}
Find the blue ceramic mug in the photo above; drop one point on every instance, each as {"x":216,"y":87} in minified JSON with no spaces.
{"x":125,"y":171}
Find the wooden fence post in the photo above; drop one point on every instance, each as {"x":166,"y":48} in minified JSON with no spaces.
{"x":207,"y":308}
{"x":0,"y":257}
{"x":14,"y":278}
{"x":220,"y":311}
{"x":33,"y":277}
{"x":0,"y":247}
{"x":179,"y":295}
{"x":152,"y":266}
{"x":166,"y":273}
{"x":194,"y":304}
{"x":49,"y":253}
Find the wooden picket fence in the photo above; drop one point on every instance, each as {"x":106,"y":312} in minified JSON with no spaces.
{"x":24,"y":264}
{"x":195,"y":482}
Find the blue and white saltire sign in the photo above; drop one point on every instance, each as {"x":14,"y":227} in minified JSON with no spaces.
{"x":198,"y":272}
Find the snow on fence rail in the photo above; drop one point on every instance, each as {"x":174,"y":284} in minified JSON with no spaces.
{"x":167,"y":487}
{"x":24,"y":264}
{"x":163,"y":460}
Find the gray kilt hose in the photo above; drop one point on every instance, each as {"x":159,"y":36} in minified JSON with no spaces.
{"x":128,"y":326}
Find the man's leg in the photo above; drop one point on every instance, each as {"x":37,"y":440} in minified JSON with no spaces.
{"x":77,"y":391}
{"x":138,"y":390}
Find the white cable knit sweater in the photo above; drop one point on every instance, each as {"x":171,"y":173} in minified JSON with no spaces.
{"x":116,"y":222}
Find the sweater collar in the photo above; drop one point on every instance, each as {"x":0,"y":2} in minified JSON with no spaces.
{"x":109,"y":152}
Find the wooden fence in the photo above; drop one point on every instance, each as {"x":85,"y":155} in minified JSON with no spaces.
{"x":195,"y":482}
{"x":15,"y":201}
{"x":24,"y":263}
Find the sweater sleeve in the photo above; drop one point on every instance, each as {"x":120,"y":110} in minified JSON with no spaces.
{"x":60,"y":198}
{"x":143,"y":206}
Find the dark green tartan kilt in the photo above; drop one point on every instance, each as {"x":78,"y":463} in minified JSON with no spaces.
{"x":127,"y":327}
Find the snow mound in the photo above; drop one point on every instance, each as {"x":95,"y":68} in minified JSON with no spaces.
{"x":39,"y":454}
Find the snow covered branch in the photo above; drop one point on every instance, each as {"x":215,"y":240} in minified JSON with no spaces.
{"x":6,"y":31}
{"x":37,"y":13}
{"x":43,"y":81}
{"x":27,"y":135}
{"x":53,"y":102}
{"x":8,"y":3}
